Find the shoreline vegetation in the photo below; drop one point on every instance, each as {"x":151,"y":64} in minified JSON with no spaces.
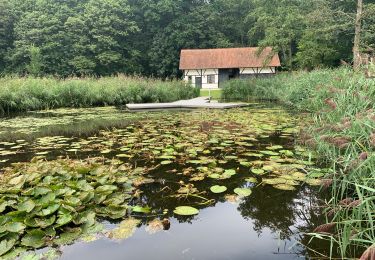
{"x":25,"y":94}
{"x":341,"y":128}
{"x":342,"y":131}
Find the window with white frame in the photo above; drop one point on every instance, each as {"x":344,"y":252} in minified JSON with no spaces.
{"x":211,"y":79}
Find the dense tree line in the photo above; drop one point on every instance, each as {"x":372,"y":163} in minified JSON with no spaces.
{"x":104,"y":37}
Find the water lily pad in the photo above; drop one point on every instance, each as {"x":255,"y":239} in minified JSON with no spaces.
{"x":232,"y":198}
{"x":251,"y":179}
{"x":166,"y":162}
{"x":314,"y":182}
{"x":42,"y":153}
{"x":214,"y":176}
{"x":106,"y":188}
{"x":230,"y":172}
{"x":154,"y":226}
{"x":243,"y":192}
{"x":186,"y":211}
{"x":246,"y":164}
{"x":274,"y":181}
{"x":292,"y":182}
{"x":34,"y":238}
{"x":49,"y":210}
{"x":125,"y":230}
{"x":26,"y":206}
{"x":167,"y":157}
{"x":17,"y":180}
{"x":140,"y":209}
{"x":218,"y":189}
{"x":6,"y":245}
{"x":64,"y":219}
{"x":41,"y":191}
{"x":268,"y":168}
{"x":287,"y":153}
{"x":122,"y":155}
{"x":15,"y":227}
{"x":274,"y":147}
{"x":258,"y":155}
{"x":269,"y":153}
{"x":187,"y":189}
{"x":45,"y":222}
{"x":316,"y":174}
{"x":68,"y":237}
{"x":46,"y":199}
{"x":284,"y":187}
{"x":258,"y":171}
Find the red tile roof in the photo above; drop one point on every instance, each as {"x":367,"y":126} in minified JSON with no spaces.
{"x":228,"y":58}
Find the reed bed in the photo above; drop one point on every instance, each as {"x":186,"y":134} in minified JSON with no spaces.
{"x":342,"y":130}
{"x":24,"y":94}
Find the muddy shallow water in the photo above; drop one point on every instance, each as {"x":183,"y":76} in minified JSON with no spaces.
{"x":268,"y":197}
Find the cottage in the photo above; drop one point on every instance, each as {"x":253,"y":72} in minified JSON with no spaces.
{"x":210,"y":68}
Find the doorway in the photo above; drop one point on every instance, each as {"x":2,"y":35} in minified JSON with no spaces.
{"x":198,"y":82}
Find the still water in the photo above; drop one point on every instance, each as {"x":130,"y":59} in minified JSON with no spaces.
{"x":181,"y":156}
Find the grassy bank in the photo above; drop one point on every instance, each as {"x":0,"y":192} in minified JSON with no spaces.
{"x":215,"y":93}
{"x":342,"y":131}
{"x":23,"y":94}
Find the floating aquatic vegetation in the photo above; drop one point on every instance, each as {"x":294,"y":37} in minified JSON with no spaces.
{"x":155,"y":226}
{"x":218,"y":189}
{"x":187,"y":189}
{"x":139,"y":209}
{"x":57,"y":201}
{"x":232,"y":198}
{"x":251,"y":180}
{"x":125,"y":230}
{"x":243,"y":192}
{"x":258,"y":171}
{"x":186,"y":211}
{"x":284,"y":187}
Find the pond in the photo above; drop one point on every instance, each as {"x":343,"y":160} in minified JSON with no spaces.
{"x":203,"y":184}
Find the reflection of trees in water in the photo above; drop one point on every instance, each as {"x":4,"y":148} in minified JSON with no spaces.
{"x":270,"y":208}
{"x":288,"y":213}
{"x":162,"y":196}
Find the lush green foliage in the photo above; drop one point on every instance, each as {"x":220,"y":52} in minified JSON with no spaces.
{"x":104,"y":37}
{"x":21,"y":94}
{"x":343,"y":131}
{"x":215,"y":94}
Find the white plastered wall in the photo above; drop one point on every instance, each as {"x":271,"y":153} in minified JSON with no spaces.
{"x":204,"y":73}
{"x":267,"y":70}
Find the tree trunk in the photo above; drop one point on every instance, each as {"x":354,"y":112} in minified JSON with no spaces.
{"x":357,"y":36}
{"x":290,"y":57}
{"x":285,"y":57}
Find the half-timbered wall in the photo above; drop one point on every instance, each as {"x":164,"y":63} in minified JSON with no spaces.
{"x":205,"y":73}
{"x":267,"y":70}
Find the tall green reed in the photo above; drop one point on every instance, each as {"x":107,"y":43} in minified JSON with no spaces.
{"x":342,"y":107}
{"x":23,"y":94}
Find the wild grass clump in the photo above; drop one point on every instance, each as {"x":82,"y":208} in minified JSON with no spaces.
{"x":297,"y":89}
{"x":249,"y":89}
{"x":342,"y":131}
{"x":23,"y":94}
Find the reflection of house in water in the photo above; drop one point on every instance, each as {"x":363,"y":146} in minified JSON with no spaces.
{"x":210,"y":68}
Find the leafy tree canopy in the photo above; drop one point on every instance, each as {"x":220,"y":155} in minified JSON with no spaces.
{"x":104,"y":37}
